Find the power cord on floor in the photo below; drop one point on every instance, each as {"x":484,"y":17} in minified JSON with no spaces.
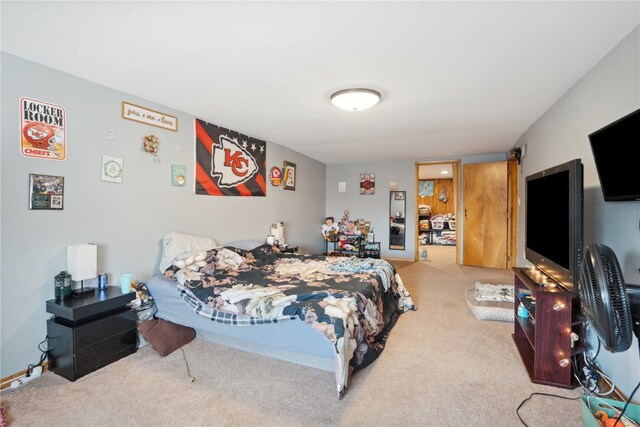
{"x":539,"y":394}
{"x":590,"y":383}
{"x":191,"y":378}
{"x":624,"y":408}
{"x":43,"y":356}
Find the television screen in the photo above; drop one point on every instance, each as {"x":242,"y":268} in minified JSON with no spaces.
{"x":617,"y":168}
{"x":554,"y":221}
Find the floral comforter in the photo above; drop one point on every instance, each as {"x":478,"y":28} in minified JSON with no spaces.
{"x":352,"y":302}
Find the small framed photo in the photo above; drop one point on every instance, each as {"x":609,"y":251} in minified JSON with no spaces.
{"x":425,"y":188}
{"x":289,"y":182}
{"x":46,"y":192}
{"x":367,"y":184}
{"x":178,"y":175}
{"x":112,"y":169}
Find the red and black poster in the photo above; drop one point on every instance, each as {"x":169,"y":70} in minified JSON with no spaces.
{"x":229,"y":163}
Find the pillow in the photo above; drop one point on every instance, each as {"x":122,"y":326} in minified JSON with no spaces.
{"x":261,"y":255}
{"x":165,"y":337}
{"x":175,"y":244}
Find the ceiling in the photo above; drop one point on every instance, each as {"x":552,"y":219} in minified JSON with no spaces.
{"x":435,"y":171}
{"x":457,"y":78}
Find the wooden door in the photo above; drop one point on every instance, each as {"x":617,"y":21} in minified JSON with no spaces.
{"x":485,"y":215}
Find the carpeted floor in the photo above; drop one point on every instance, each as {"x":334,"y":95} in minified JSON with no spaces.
{"x":441,"y":367}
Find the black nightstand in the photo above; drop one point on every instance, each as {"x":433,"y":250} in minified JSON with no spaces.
{"x":91,"y":332}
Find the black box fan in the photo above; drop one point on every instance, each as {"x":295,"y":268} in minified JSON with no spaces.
{"x":605,"y":300}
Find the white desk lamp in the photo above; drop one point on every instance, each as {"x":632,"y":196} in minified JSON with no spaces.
{"x":82,"y":264}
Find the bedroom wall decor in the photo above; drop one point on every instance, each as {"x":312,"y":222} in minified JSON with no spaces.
{"x":275,"y":176}
{"x":42,"y":126}
{"x":150,"y":144}
{"x":46,"y":191}
{"x":112,"y":169}
{"x":425,"y":188}
{"x":289,"y":176}
{"x":229,"y":163}
{"x":144,"y":115}
{"x":178,"y":175}
{"x":367,"y":184}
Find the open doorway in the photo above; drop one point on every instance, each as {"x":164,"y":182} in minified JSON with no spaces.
{"x":437,"y":201}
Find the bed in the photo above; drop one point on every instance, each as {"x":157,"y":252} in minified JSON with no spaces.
{"x":331,"y":313}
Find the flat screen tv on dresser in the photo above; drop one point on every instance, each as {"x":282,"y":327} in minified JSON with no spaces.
{"x":554,"y":222}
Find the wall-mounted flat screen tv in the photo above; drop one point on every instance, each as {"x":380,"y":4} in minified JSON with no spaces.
{"x":617,"y":167}
{"x":554,"y":221}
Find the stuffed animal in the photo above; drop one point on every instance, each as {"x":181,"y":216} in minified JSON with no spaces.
{"x":345,"y":221}
{"x":329,"y":229}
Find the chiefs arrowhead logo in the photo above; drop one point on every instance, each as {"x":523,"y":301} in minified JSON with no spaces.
{"x":38,"y":134}
{"x":232,"y":163}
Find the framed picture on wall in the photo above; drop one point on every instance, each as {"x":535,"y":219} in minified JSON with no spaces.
{"x":425,"y":188}
{"x":367,"y":184}
{"x":46,"y":191}
{"x":111,"y":170}
{"x":289,"y":182}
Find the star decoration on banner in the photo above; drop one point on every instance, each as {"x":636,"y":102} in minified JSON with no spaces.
{"x":253,"y":147}
{"x":262,"y":148}
{"x":244,"y":144}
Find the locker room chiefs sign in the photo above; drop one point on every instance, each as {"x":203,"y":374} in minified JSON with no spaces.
{"x":229,"y":163}
{"x":42,"y":129}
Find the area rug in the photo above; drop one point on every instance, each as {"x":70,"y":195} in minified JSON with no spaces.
{"x":489,"y":301}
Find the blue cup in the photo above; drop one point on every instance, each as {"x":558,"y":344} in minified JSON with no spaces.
{"x":125,"y":283}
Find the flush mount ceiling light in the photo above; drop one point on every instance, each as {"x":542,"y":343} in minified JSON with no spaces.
{"x":355,"y":99}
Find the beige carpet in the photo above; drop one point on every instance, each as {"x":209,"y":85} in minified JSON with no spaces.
{"x":441,"y":367}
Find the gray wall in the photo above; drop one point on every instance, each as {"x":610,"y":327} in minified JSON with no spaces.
{"x":126,"y":220}
{"x":609,"y":91}
{"x":376,"y":207}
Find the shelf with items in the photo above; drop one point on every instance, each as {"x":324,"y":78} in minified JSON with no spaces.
{"x":357,"y":245}
{"x":350,"y":244}
{"x":435,"y":229}
{"x":543,"y":330}
{"x":437,"y":237}
{"x":371,"y":249}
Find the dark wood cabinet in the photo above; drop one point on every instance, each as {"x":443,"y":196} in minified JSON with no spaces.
{"x":542,"y":333}
{"x":88,"y":333}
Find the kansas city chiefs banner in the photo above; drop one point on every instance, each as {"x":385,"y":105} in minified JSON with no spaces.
{"x":229,"y":163}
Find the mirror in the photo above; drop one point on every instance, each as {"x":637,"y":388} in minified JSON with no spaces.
{"x":397,"y":210}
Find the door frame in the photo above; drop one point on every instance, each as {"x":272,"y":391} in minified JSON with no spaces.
{"x":456,"y":186}
{"x":513,"y":199}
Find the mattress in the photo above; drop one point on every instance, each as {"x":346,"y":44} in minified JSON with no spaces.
{"x":289,"y":340}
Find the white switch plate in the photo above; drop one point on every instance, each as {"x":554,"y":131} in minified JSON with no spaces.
{"x":342,"y":187}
